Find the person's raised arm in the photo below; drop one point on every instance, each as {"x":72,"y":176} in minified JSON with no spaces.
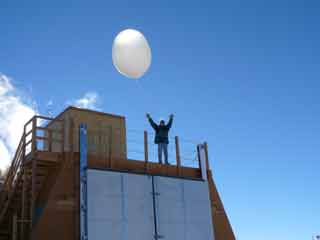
{"x":152,"y":123}
{"x":170,"y":122}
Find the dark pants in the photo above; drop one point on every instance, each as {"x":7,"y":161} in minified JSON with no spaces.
{"x":163,"y":148}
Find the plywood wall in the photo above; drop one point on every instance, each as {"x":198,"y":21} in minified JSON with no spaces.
{"x":222,"y":226}
{"x":59,"y":214}
{"x":106,"y":132}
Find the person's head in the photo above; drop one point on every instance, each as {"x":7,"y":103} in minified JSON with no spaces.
{"x":162,"y":123}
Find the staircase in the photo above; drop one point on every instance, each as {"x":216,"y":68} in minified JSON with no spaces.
{"x":27,"y":176}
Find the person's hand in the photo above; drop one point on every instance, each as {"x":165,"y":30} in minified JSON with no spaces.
{"x":171,"y":115}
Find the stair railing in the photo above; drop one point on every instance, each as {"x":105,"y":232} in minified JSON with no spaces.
{"x":28,"y":145}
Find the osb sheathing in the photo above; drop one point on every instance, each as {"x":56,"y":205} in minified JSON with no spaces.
{"x":60,"y":214}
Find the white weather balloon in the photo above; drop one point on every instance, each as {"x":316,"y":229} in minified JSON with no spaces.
{"x":131,"y":54}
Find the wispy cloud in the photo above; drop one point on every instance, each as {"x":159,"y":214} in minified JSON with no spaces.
{"x":89,"y":100}
{"x":15,"y":111}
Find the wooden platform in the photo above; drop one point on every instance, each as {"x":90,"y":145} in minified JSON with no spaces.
{"x":40,"y":196}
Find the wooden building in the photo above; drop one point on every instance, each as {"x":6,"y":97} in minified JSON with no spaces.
{"x":40,"y":197}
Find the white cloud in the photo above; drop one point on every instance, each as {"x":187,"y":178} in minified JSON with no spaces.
{"x":14,"y":113}
{"x":49,"y":108}
{"x":90,"y":100}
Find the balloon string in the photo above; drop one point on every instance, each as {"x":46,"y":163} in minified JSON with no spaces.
{"x":145,"y":93}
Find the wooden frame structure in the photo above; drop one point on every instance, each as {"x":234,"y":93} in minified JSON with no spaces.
{"x":27,"y":174}
{"x":42,"y":184}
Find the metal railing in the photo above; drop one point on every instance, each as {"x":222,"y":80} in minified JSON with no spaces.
{"x":140,"y":146}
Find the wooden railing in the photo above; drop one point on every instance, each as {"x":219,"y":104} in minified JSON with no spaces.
{"x":31,"y":142}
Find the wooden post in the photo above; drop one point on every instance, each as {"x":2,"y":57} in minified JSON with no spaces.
{"x":24,"y":144}
{"x":23,"y":201}
{"x":207,"y":155}
{"x":146,"y":150}
{"x":198,"y":156}
{"x":49,"y":140}
{"x":34,"y":173}
{"x":14,"y":226}
{"x":178,"y":155}
{"x":62,"y":135}
{"x":69,"y":144}
{"x":110,"y":148}
{"x":70,"y":137}
{"x":24,"y":179}
{"x":34,"y":136}
{"x":33,"y":192}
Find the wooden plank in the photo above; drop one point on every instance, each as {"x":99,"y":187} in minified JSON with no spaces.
{"x":207,"y":155}
{"x":110,"y":148}
{"x":146,"y":150}
{"x":63,"y":135}
{"x":34,"y":140}
{"x":14,"y":226}
{"x":28,"y":133}
{"x":178,"y":155}
{"x":136,"y":166}
{"x":46,"y":129}
{"x":49,"y":139}
{"x":33,"y":193}
{"x":47,"y":118}
{"x":23,"y":201}
{"x":45,"y":156}
{"x":27,"y":123}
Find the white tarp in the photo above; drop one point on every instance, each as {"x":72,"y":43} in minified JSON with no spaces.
{"x":120,"y":207}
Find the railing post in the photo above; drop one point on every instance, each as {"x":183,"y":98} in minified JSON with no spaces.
{"x":178,"y":155}
{"x":33,"y":136}
{"x":146,"y":150}
{"x":49,"y":140}
{"x":202,"y":161}
{"x":33,"y":174}
{"x":207,"y":155}
{"x":24,"y":142}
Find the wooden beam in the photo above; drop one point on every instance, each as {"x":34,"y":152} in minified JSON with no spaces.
{"x":178,"y":155}
{"x":45,"y":129}
{"x":146,"y":150}
{"x":110,"y":148}
{"x":63,"y":136}
{"x":34,"y":135}
{"x":14,"y":226}
{"x":49,"y":140}
{"x":207,"y":155}
{"x":33,"y":192}
{"x":23,"y":202}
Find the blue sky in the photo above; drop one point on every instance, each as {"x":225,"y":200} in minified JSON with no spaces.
{"x":242,"y":75}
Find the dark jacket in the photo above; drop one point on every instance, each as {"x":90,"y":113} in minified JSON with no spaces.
{"x":161,"y":131}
